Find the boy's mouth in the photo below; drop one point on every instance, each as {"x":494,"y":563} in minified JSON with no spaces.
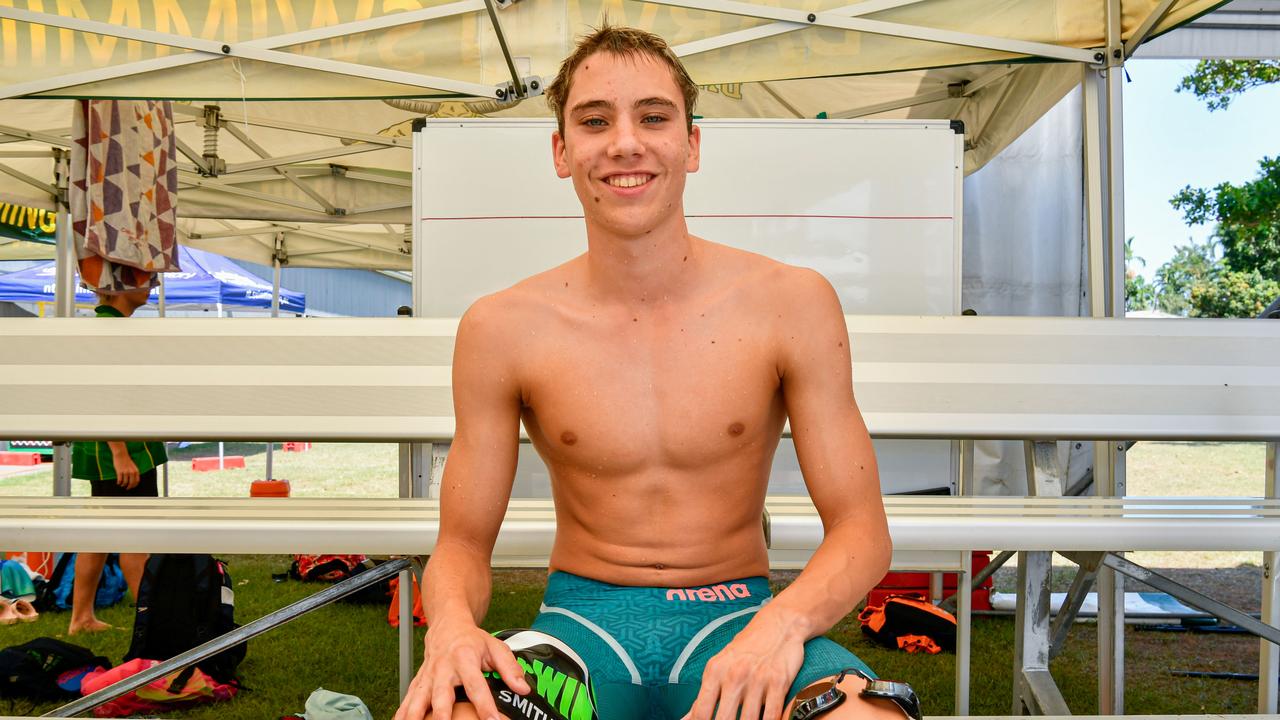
{"x":629,"y":181}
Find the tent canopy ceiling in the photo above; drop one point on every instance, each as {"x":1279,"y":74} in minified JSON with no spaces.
{"x":293,"y":49}
{"x":260,"y":171}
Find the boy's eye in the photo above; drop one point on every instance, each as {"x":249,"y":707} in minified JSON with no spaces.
{"x":594,"y":122}
{"x":654,"y":119}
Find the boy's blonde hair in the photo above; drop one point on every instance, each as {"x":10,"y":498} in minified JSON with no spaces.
{"x":625,"y":42}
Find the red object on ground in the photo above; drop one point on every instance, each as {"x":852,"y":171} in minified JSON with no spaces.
{"x":269,"y":488}
{"x":393,"y":613}
{"x":297,"y":446}
{"x":41,"y":562}
{"x":916,"y":584}
{"x":19,"y":458}
{"x":205,"y":464}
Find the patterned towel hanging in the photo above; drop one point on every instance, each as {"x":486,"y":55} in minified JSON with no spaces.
{"x":124,"y":191}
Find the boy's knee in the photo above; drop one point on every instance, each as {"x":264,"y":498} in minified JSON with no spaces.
{"x":466,"y":711}
{"x":868,"y":709}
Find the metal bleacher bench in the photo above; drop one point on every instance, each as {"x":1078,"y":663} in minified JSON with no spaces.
{"x":388,"y":380}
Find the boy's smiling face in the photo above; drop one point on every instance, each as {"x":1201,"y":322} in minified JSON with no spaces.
{"x":626,"y":144}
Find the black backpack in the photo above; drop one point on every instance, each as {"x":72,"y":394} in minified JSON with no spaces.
{"x":185,"y":601}
{"x":33,"y":669}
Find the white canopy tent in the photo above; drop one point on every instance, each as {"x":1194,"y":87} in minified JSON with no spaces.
{"x":274,"y":179}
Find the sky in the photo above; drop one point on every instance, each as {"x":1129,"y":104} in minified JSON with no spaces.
{"x":1172,"y":140}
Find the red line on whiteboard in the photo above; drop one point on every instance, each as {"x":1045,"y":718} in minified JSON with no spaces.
{"x":833,"y":217}
{"x":506,"y":217}
{"x":754,"y":215}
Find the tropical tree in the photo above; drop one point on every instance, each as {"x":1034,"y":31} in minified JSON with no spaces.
{"x":1217,"y":82}
{"x":1138,"y":293}
{"x":1246,"y":218}
{"x":1236,"y":273}
{"x":1233,"y":294}
{"x":1192,"y":264}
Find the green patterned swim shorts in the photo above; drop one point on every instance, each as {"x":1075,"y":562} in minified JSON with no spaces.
{"x":646,"y":647}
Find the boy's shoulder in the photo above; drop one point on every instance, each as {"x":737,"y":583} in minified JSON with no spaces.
{"x":525,"y":302}
{"x":769,"y":279}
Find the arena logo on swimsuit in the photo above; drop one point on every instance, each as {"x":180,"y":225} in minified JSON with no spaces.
{"x":710,"y":593}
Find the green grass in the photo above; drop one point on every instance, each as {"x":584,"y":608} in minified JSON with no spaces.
{"x":329,"y":470}
{"x":342,"y":647}
{"x":352,"y":649}
{"x":1191,"y":470}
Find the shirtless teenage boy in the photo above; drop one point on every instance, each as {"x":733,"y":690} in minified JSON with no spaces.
{"x":653,"y":374}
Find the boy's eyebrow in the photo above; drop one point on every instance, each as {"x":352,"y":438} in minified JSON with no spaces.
{"x":592,"y":105}
{"x":655,"y":101}
{"x":607,"y":105}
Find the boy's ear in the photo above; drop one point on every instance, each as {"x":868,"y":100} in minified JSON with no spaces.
{"x":695,"y":149}
{"x":557,"y":155}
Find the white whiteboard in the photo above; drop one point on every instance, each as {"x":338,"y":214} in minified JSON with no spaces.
{"x":874,"y":206}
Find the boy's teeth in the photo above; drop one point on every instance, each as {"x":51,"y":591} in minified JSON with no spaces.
{"x":627,"y":181}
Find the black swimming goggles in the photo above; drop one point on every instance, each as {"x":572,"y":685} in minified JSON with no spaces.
{"x":821,"y":697}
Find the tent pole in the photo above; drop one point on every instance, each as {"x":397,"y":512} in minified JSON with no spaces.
{"x":275,"y":313}
{"x":275,"y":286}
{"x":160,"y":297}
{"x":1108,"y":457}
{"x":64,"y":306}
{"x":517,"y":87}
{"x":221,"y":444}
{"x":64,"y":297}
{"x":1115,"y":186}
{"x":1093,"y":192}
{"x":412,"y":458}
{"x":1097,"y":198}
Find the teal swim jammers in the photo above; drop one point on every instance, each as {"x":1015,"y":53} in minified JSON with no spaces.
{"x":646,"y":647}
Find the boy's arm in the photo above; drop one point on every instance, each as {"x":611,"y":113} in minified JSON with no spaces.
{"x":473,"y":500}
{"x":839,"y":467}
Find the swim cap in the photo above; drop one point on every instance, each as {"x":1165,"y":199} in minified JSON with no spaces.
{"x":559,"y":681}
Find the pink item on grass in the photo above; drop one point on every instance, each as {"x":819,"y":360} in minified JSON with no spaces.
{"x":160,"y":695}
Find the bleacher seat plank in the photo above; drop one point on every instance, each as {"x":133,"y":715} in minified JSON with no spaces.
{"x":388,"y":379}
{"x":394,"y":526}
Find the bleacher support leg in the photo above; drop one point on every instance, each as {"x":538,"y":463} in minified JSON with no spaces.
{"x":1269,"y":658}
{"x":1109,"y":481}
{"x":407,"y":669}
{"x":1195,"y":599}
{"x":405,"y":612}
{"x":419,"y":477}
{"x":438,"y":455}
{"x":62,"y":469}
{"x":1269,"y":654}
{"x":1034,"y":691}
{"x":964,"y":593}
{"x":1045,"y":474}
{"x":1081,"y":584}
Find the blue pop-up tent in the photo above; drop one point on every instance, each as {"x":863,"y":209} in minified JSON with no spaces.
{"x":205,"y":279}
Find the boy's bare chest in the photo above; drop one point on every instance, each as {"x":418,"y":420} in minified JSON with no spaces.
{"x":679,"y":393}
